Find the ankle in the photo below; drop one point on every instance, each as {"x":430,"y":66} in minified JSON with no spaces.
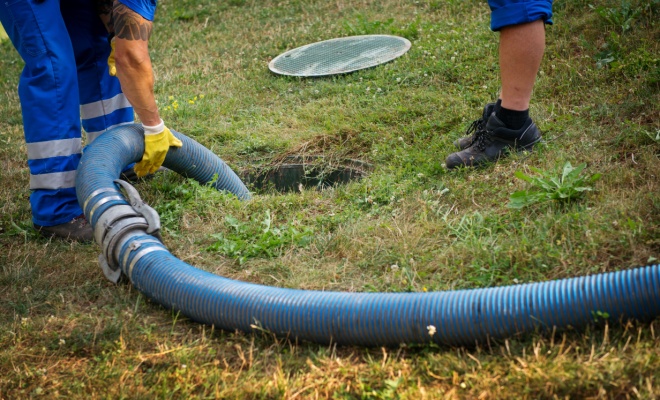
{"x":513,"y":119}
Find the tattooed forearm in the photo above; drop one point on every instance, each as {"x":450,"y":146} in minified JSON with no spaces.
{"x":130,"y":25}
{"x":104,"y":10}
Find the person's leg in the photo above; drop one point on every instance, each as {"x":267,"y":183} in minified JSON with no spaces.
{"x":103,"y":106}
{"x":521,"y":51}
{"x":48,"y":93}
{"x":522,"y":44}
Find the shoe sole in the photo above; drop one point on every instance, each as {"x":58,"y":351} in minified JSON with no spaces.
{"x":70,"y":238}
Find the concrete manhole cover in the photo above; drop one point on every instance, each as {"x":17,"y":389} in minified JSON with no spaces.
{"x":339,"y":56}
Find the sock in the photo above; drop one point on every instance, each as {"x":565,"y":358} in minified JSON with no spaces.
{"x":512,"y":119}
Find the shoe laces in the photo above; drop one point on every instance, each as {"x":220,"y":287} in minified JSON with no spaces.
{"x":482,"y":139}
{"x":476,"y":124}
{"x":477,"y":127}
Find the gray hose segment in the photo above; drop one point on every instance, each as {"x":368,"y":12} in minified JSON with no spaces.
{"x":460,"y":317}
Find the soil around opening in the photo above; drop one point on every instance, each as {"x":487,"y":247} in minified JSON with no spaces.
{"x":299,"y":172}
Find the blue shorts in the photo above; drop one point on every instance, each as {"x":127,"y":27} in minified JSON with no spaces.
{"x":146,"y":8}
{"x":516,"y":12}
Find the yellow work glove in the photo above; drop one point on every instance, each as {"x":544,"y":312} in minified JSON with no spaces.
{"x":112,"y":68}
{"x":157,"y":141}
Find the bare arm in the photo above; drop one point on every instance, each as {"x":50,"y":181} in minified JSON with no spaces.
{"x":134,"y":68}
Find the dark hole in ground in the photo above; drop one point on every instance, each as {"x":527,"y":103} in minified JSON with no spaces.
{"x":306,"y":172}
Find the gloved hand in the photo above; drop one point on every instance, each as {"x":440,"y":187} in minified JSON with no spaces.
{"x":112,"y":68}
{"x":157,"y":141}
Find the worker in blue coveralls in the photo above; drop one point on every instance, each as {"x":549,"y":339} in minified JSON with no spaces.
{"x":66,"y":83}
{"x":505,"y":125}
{"x":64,"y":47}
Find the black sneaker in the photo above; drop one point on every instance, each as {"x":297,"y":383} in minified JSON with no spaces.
{"x":475,"y":128}
{"x":78,"y":229}
{"x":494,"y":141}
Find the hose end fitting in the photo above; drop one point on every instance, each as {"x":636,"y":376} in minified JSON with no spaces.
{"x":118,"y":221}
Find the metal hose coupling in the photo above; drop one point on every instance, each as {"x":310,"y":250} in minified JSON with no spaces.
{"x":119,"y":221}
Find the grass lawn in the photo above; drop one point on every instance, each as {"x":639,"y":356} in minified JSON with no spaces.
{"x":3,"y":34}
{"x":408,"y":226}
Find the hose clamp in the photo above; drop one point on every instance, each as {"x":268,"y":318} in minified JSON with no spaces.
{"x":118,"y":221}
{"x":116,"y":232}
{"x":109,"y":218}
{"x":96,"y":193}
{"x":142,"y":208}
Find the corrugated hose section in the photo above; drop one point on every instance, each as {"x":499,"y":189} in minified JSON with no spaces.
{"x":462,"y":317}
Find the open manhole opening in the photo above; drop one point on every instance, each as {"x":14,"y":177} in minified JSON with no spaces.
{"x":304,"y":172}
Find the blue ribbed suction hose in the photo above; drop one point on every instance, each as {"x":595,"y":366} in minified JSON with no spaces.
{"x":454,"y":318}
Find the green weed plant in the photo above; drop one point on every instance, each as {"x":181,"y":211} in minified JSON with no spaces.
{"x":569,"y":186}
{"x":621,"y":16}
{"x":258,"y":238}
{"x":654,"y":137}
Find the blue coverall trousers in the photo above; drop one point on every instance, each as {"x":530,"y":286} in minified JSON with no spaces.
{"x":65,"y":49}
